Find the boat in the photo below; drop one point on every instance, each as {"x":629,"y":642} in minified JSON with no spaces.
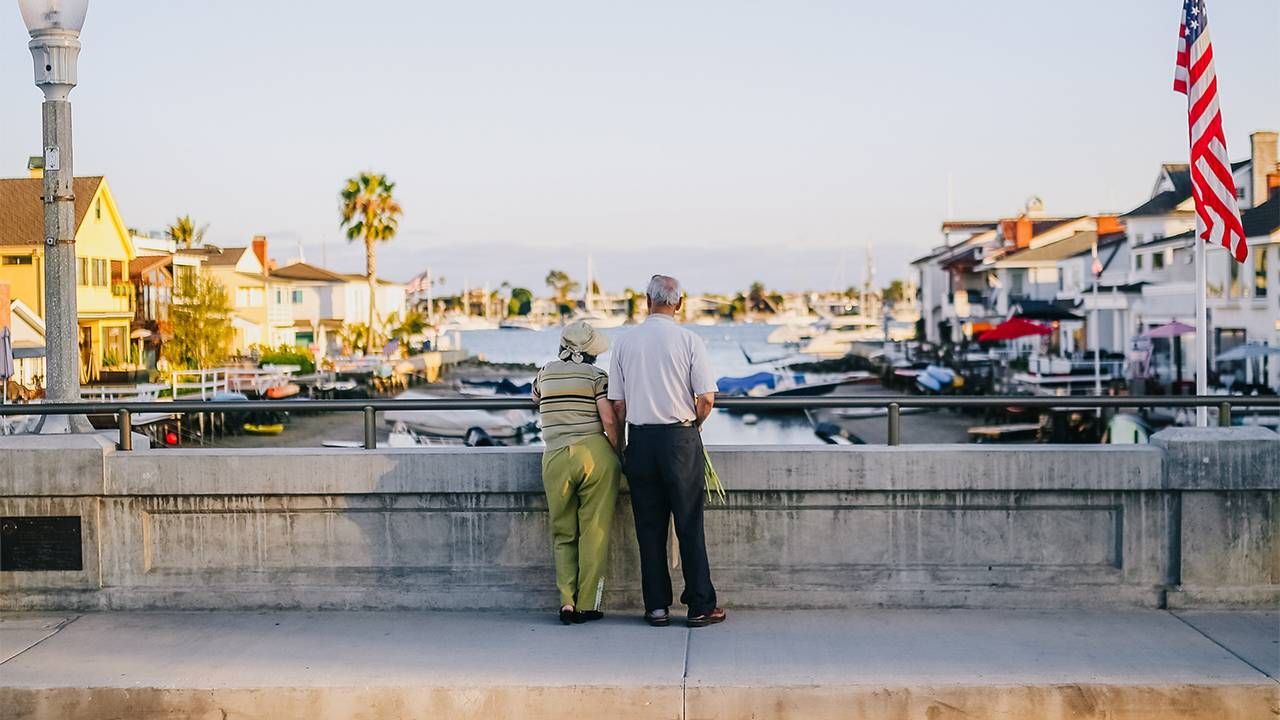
{"x":264,"y":428}
{"x":520,"y":322}
{"x":281,"y":392}
{"x":935,"y":378}
{"x":599,"y":320}
{"x":835,"y":337}
{"x":499,"y":424}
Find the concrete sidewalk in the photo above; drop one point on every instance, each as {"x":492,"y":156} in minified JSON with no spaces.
{"x":869,"y":664}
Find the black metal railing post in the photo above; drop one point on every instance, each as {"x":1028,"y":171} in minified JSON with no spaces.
{"x":126,"y":430}
{"x":895,"y":423}
{"x":370,"y":428}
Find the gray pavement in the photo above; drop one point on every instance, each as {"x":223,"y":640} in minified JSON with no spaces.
{"x":887,"y":663}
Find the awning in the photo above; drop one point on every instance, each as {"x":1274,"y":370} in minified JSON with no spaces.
{"x":1042,"y":310}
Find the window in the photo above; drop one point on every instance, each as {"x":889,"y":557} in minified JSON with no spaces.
{"x":1157,"y":236}
{"x":249,"y":297}
{"x":101,"y":273}
{"x":18,"y":259}
{"x":1260,"y":271}
{"x":1240,"y":193}
{"x":82,"y":271}
{"x":279,"y":296}
{"x":186,"y":274}
{"x":1234,"y":288}
{"x":1157,"y":261}
{"x":1137,"y":262}
{"x":97,"y":209}
{"x":297,"y":297}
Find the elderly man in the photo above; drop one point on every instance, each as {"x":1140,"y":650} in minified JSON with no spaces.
{"x":663,"y":390}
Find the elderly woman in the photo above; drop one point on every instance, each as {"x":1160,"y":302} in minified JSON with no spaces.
{"x":580,"y":468}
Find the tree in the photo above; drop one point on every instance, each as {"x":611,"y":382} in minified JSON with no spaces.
{"x":185,"y":234}
{"x":404,"y":330}
{"x":757,"y":299}
{"x":370,"y":213}
{"x":895,"y":293}
{"x":201,"y":313}
{"x":563,"y":286}
{"x":521,"y":302}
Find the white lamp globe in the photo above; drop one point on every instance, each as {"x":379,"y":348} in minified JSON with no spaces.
{"x":42,"y":15}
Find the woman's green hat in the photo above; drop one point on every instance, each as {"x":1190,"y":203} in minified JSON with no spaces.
{"x":579,"y":338}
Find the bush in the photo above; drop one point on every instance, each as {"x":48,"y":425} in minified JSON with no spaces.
{"x":285,"y":355}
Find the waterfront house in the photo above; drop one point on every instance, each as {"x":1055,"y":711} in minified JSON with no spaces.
{"x":104,"y":296}
{"x":261,"y":314}
{"x":158,"y":270}
{"x":322,"y":301}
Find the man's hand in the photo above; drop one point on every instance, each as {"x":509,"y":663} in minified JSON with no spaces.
{"x":620,"y":415}
{"x":703,"y":404}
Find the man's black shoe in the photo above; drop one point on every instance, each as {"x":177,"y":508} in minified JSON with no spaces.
{"x":658,"y":618}
{"x":715,"y":616}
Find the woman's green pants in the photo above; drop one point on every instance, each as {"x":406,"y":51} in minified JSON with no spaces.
{"x":581,"y":481}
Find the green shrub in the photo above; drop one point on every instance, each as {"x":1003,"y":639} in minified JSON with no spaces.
{"x":285,"y":355}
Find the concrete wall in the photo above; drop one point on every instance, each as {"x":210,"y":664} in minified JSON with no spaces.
{"x":1189,"y":521}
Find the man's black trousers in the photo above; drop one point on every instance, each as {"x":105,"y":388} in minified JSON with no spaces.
{"x":666,"y":469}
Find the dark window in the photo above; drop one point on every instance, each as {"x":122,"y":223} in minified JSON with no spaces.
{"x":18,"y":259}
{"x":1260,"y":272}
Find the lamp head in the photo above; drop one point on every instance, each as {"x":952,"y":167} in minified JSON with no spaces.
{"x":44,"y":15}
{"x":55,"y":42}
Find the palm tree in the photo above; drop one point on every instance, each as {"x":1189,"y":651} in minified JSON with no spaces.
{"x":403,"y":330}
{"x":370,"y":213}
{"x":184,"y":232}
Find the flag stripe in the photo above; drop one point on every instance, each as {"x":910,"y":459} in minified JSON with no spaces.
{"x":1212,"y":184}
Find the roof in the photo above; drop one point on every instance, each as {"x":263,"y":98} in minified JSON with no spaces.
{"x":1167,"y":201}
{"x":147,"y":263}
{"x":969,"y":224}
{"x":22,"y":209}
{"x":1104,"y":241}
{"x":1180,"y":238}
{"x":217,"y":256}
{"x":1052,"y":252}
{"x":304,"y":271}
{"x":357,"y":277}
{"x":1263,"y":219}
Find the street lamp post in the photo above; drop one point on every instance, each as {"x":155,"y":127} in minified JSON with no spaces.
{"x":55,"y":46}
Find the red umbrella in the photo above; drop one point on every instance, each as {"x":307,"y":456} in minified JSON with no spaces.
{"x":1013,"y":329}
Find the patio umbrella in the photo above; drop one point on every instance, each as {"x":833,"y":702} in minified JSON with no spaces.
{"x":1014,"y":328}
{"x":1248,"y":351}
{"x":1172,"y":331}
{"x":6,"y":361}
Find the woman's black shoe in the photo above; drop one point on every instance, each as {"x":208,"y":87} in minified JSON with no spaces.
{"x":567,"y":616}
{"x":590,"y":616}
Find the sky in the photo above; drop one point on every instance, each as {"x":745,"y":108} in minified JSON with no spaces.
{"x":721,"y":142}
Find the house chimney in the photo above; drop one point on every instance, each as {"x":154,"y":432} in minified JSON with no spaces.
{"x":1264,"y":163}
{"x":35,"y":167}
{"x":260,"y":249}
{"x":1109,"y":225}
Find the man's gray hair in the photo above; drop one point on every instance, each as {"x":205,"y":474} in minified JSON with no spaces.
{"x":664,"y":290}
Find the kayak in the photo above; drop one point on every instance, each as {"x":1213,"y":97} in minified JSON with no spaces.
{"x":264,"y":428}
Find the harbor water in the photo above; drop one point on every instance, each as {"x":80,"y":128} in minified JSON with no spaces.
{"x":728,"y":346}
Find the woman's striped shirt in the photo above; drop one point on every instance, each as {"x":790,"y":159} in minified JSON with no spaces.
{"x":566,"y":393}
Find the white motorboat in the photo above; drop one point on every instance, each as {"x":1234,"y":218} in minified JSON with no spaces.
{"x":500,"y":424}
{"x":520,"y":322}
{"x":835,"y":336}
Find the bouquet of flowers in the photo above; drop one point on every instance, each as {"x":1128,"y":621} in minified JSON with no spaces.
{"x":715,"y":488}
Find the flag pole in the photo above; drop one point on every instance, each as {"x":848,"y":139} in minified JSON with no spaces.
{"x":1202,"y":328}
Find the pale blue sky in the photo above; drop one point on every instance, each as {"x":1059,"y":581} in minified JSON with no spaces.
{"x":718,"y":141}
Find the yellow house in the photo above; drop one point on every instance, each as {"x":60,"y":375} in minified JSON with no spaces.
{"x":104,"y":297}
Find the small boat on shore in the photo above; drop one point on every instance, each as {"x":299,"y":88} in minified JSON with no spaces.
{"x":500,"y":424}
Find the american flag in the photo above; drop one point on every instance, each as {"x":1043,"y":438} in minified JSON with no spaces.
{"x":1217,"y":215}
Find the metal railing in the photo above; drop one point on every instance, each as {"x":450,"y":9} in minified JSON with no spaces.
{"x":893,"y":404}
